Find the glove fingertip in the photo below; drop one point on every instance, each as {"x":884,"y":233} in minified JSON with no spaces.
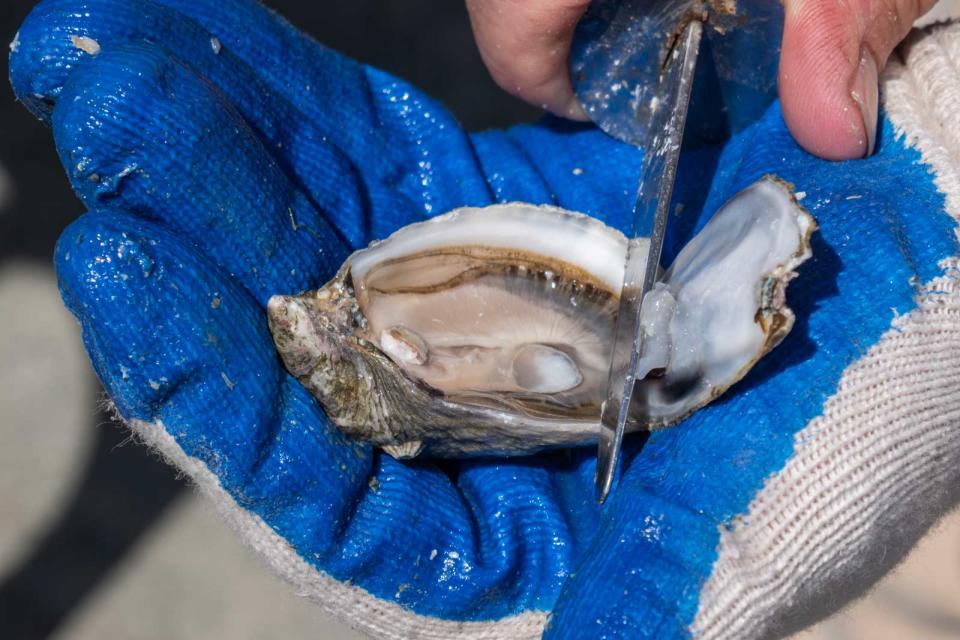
{"x":97,"y":268}
{"x":40,"y":60}
{"x":163,"y":327}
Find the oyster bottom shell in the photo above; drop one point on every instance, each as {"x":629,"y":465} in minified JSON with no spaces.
{"x":488,"y":331}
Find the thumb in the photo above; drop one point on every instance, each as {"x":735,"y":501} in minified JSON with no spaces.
{"x":832,"y":56}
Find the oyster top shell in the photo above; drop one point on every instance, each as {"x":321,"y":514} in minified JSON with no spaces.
{"x":724,"y":296}
{"x":489,"y":330}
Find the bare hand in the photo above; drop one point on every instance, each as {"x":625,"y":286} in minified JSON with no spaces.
{"x":829,"y":68}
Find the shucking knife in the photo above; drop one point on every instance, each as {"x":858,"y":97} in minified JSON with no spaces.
{"x":635,"y":79}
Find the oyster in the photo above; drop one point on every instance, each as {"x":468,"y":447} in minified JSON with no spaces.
{"x":488,"y":330}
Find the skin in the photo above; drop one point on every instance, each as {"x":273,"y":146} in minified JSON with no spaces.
{"x":833,"y":51}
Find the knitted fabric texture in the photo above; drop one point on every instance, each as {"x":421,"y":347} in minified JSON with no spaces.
{"x":882,"y":464}
{"x":867,"y":478}
{"x":217,"y":176}
{"x":349,"y":604}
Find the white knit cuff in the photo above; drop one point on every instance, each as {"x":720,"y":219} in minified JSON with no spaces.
{"x":882,"y":463}
{"x":342,"y":601}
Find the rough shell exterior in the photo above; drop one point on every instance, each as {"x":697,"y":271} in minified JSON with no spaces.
{"x":324,"y":340}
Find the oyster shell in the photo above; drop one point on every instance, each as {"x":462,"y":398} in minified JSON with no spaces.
{"x":488,"y":331}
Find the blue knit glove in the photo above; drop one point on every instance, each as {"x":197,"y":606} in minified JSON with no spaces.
{"x":225,"y":157}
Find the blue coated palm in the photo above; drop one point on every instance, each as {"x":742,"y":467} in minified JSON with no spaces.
{"x":225,"y":157}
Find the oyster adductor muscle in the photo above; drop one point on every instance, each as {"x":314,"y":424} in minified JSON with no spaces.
{"x":487,"y":331}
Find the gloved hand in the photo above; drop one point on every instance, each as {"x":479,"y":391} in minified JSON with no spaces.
{"x":225,"y":157}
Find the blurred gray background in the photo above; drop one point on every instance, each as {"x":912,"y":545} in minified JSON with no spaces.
{"x":100,"y":540}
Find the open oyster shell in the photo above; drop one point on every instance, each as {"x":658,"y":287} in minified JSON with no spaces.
{"x":488,"y":331}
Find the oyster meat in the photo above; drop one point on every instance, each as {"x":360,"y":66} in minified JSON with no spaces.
{"x":488,"y":330}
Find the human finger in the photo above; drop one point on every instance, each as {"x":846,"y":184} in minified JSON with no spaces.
{"x":833,"y":53}
{"x":525,"y":45}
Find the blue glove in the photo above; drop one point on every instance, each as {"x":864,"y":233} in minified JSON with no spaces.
{"x":225,"y":157}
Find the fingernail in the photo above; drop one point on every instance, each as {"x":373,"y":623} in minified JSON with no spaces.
{"x":866,"y":94}
{"x":573,"y":110}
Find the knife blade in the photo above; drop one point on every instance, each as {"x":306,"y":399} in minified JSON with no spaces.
{"x":667,"y":113}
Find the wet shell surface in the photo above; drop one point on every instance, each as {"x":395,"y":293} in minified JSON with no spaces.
{"x":487,"y":331}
